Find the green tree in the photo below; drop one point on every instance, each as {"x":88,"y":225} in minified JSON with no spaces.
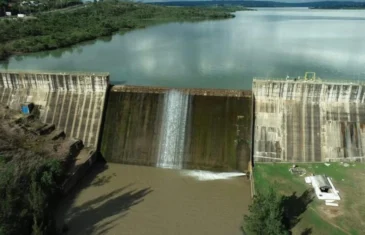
{"x":28,"y":195}
{"x":3,"y":6}
{"x":3,"y":53}
{"x":266,"y":215}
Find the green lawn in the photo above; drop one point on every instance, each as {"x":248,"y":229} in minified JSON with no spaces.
{"x":348,"y":218}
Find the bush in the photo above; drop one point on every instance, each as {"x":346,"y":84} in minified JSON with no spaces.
{"x":28,"y":192}
{"x":266,"y":215}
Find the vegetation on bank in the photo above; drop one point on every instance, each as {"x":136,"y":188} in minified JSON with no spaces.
{"x":28,"y":193}
{"x":32,"y":170}
{"x":266,"y":215}
{"x":61,"y":29}
{"x":305,"y":212}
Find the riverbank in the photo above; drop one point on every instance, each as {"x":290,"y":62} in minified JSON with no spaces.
{"x":34,"y":161}
{"x":63,"y":29}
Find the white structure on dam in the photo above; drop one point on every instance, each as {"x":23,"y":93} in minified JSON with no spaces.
{"x":74,"y":102}
{"x":308,"y":121}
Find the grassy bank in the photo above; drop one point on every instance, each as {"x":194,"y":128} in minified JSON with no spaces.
{"x":315,"y":217}
{"x":65,"y":28}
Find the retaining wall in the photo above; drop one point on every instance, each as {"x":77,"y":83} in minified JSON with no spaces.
{"x":309,"y":121}
{"x":74,"y":102}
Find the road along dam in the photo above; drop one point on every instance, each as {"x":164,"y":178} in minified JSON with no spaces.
{"x":73,"y":102}
{"x":178,"y":128}
{"x":308,"y":121}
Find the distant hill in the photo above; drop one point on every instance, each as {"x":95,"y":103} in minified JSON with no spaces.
{"x":319,"y":5}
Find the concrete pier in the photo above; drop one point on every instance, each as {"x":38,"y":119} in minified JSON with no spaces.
{"x":308,"y":121}
{"x":73,"y":102}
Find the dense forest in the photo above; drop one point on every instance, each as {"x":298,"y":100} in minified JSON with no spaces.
{"x":32,"y":170}
{"x":309,"y":4}
{"x":46,"y":31}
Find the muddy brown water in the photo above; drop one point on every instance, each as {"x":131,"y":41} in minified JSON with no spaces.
{"x":136,"y":200}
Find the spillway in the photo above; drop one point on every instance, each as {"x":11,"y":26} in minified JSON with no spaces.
{"x":178,"y":128}
{"x":173,"y":128}
{"x":308,"y":121}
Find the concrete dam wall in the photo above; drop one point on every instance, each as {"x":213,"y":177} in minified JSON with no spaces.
{"x":74,"y":102}
{"x":178,"y":128}
{"x":308,"y":121}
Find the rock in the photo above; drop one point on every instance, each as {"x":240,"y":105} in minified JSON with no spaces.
{"x":346,"y":164}
{"x":327,"y":164}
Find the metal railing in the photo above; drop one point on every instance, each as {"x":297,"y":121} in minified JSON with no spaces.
{"x":317,"y":81}
{"x":55,"y":72}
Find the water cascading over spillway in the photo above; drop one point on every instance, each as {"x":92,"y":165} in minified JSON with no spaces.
{"x":172,"y":138}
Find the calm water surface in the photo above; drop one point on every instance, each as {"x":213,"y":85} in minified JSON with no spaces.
{"x":221,"y":54}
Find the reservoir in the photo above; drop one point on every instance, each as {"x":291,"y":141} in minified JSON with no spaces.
{"x":221,"y":54}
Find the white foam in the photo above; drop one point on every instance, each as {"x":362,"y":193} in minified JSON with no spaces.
{"x":209,"y":175}
{"x":172,"y":138}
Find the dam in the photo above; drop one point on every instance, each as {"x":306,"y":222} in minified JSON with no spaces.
{"x":204,"y":129}
{"x":178,"y":128}
{"x":308,"y":120}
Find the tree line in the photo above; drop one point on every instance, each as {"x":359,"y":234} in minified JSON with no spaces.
{"x":48,"y":31}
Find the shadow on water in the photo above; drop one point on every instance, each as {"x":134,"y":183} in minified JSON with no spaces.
{"x":307,"y":231}
{"x":101,"y":180}
{"x":88,"y":217}
{"x":101,"y":213}
{"x":294,"y":206}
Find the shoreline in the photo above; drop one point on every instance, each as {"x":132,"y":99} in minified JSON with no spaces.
{"x":125,"y":18}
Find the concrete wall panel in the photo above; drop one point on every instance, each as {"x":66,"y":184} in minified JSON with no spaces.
{"x":318,"y":121}
{"x":73,"y":102}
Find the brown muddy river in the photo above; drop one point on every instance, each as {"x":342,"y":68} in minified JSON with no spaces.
{"x":138,"y":200}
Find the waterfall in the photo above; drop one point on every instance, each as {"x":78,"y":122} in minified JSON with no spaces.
{"x":173,"y":126}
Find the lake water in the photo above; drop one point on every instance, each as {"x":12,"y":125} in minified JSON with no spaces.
{"x":221,"y":54}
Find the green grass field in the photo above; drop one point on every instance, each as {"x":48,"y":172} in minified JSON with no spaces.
{"x":317,"y":218}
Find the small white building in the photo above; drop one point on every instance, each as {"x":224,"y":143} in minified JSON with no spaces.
{"x":8,"y":13}
{"x":324,"y":189}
